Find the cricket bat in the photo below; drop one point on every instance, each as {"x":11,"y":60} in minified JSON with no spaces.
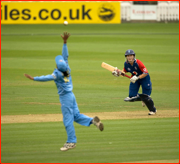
{"x":111,"y":68}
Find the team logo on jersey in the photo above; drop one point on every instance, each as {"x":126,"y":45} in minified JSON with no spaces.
{"x":144,"y":69}
{"x":60,"y":60}
{"x":66,"y":80}
{"x":54,"y":75}
{"x":135,"y":68}
{"x":129,"y":69}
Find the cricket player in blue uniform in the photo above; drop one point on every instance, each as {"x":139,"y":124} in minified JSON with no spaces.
{"x":140,"y":77}
{"x":69,"y":107}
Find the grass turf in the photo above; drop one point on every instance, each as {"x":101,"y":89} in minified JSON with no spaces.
{"x":155,"y":44}
{"x":32,"y":48}
{"x":121,"y":141}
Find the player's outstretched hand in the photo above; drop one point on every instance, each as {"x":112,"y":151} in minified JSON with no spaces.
{"x":29,"y":77}
{"x":65,"y":36}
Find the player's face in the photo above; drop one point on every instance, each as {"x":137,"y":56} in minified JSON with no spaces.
{"x":130,"y":58}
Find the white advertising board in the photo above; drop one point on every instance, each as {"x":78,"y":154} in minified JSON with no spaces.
{"x":143,"y":12}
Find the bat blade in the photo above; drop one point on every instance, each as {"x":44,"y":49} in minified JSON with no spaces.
{"x":111,"y":68}
{"x":107,"y":66}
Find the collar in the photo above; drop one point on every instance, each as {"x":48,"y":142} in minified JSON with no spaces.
{"x":133,"y":62}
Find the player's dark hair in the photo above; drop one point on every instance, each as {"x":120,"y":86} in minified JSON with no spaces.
{"x":66,"y":73}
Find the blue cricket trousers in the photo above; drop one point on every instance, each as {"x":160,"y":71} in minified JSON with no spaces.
{"x":145,"y":84}
{"x":71,"y":114}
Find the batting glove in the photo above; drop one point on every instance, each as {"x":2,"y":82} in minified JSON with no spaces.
{"x":134,"y":79}
{"x":115,"y":72}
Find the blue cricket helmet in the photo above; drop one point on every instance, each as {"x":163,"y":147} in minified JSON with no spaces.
{"x":61,"y":64}
{"x":129,"y":52}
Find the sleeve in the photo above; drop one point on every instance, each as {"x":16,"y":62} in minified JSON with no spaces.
{"x":124,"y":70}
{"x":142,"y":67}
{"x":65,"y":53}
{"x":45,"y":78}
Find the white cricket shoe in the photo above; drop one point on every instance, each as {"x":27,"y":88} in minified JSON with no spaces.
{"x":96,"y":121}
{"x":131,"y":99}
{"x":152,"y":113}
{"x":68,"y":146}
{"x":128,"y":99}
{"x":143,"y":104}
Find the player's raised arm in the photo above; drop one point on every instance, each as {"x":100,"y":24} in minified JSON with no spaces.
{"x":65,"y":53}
{"x":41,"y":78}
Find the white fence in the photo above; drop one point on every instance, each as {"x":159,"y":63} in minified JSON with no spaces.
{"x":163,"y":11}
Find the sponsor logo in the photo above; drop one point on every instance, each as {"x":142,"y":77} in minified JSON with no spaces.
{"x":43,"y":14}
{"x":144,"y":12}
{"x":58,"y":12}
{"x":106,"y":12}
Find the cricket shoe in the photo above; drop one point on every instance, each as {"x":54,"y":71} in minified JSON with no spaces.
{"x":132,"y":99}
{"x":68,"y":146}
{"x":152,"y":113}
{"x":96,"y":121}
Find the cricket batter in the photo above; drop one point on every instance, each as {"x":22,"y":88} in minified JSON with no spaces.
{"x":69,"y":107}
{"x":140,"y":77}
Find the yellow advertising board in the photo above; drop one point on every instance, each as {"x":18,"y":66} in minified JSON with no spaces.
{"x":39,"y":12}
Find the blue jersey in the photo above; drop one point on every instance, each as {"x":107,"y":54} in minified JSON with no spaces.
{"x":137,"y":69}
{"x":63,"y":83}
{"x":67,"y":99}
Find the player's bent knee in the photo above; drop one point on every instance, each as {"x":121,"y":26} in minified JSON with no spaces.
{"x":148,"y":101}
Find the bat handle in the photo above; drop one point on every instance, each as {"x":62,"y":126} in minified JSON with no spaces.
{"x":125,"y":75}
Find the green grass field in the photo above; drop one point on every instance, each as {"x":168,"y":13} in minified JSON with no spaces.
{"x":32,"y":49}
